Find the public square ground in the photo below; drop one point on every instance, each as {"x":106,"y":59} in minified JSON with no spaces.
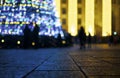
{"x":99,"y":61}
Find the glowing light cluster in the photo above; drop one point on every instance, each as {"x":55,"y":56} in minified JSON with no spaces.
{"x":14,"y":14}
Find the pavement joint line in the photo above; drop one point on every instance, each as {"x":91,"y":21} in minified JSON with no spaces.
{"x":104,"y":75}
{"x":79,"y":68}
{"x":57,"y":70}
{"x":35,"y":68}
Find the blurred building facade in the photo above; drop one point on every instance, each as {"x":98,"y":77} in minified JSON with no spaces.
{"x":99,"y":17}
{"x":72,"y":14}
{"x":116,"y":16}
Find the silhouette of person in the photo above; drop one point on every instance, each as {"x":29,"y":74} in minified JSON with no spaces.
{"x":27,"y":34}
{"x":110,"y":40}
{"x":82,"y":38}
{"x":95,"y":39}
{"x":89,"y":40}
{"x":59,"y":40}
{"x":36,"y":35}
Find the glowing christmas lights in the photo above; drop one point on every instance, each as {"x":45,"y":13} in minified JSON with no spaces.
{"x":16,"y":14}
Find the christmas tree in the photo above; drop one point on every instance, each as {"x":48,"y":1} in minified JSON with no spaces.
{"x":15,"y":14}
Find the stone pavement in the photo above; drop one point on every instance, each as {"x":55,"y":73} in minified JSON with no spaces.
{"x":100,"y":61}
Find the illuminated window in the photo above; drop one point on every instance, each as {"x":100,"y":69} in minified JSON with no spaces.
{"x":79,"y":21}
{"x":64,"y":1}
{"x":80,"y":1}
{"x":63,"y":21}
{"x":63,"y":11}
{"x":79,"y":10}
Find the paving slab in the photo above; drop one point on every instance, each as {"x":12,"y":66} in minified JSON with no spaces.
{"x":14,"y":71}
{"x":101,"y":70}
{"x":56,"y":74}
{"x":104,"y":76}
{"x":58,"y":62}
{"x":100,"y":62}
{"x":93,"y":63}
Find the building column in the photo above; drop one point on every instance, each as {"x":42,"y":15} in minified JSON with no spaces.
{"x":72,"y":17}
{"x":89,"y":17}
{"x":106,"y":17}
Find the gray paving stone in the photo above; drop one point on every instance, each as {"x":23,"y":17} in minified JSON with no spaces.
{"x":58,"y":67}
{"x":112,"y":60}
{"x":83,"y":58}
{"x":93,"y":63}
{"x":101,"y":70}
{"x":111,"y":76}
{"x":56,"y":74}
{"x":60,"y":63}
{"x":14,"y":71}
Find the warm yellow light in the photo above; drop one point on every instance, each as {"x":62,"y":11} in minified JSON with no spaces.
{"x":6,"y":22}
{"x":10,"y":22}
{"x":2,"y":16}
{"x":90,"y":29}
{"x":17,"y":22}
{"x":89,"y":17}
{"x":27,"y":22}
{"x":63,"y":42}
{"x":34,"y":24}
{"x":28,"y":4}
{"x":37,"y":10}
{"x":23,"y":22}
{"x":2,"y":40}
{"x":106,"y":17}
{"x":33,"y":43}
{"x":18,"y":42}
{"x":72,"y":17}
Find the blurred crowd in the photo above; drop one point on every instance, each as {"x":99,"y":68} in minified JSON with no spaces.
{"x":33,"y":40}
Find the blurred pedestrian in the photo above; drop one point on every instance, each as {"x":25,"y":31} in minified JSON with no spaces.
{"x":89,"y":40}
{"x":82,"y":38}
{"x":35,"y":35}
{"x":110,"y":40}
{"x":59,"y":40}
{"x":95,"y":39}
{"x":27,"y":37}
